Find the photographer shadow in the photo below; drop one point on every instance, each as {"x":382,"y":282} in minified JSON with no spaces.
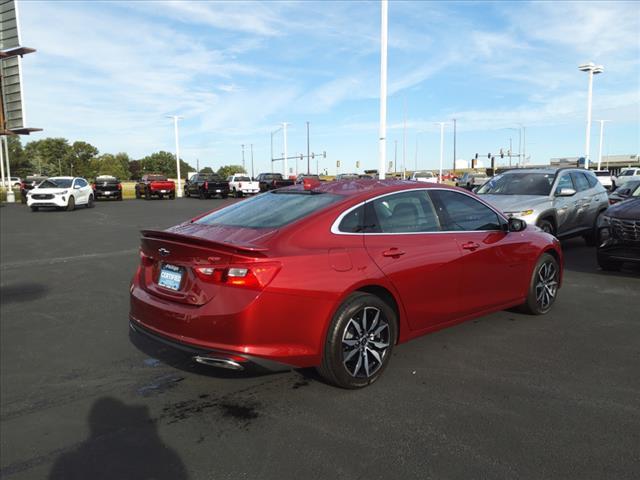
{"x":124,"y":444}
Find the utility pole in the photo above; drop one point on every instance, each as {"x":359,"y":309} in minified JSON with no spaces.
{"x":441,"y":149}
{"x":602,"y":122}
{"x":175,"y":129}
{"x":415,"y":160}
{"x":286,"y":165}
{"x":382,"y":147}
{"x":510,"y":147}
{"x":243,"y":157}
{"x":404,"y":139}
{"x":308,"y":164}
{"x":395,"y":155}
{"x":252,"y":177}
{"x":592,"y":70}
{"x":524,"y":146}
{"x":454,"y":145}
{"x":198,"y":165}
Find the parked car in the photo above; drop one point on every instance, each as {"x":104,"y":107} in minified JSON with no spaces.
{"x":155,"y":186}
{"x":347,"y":176}
{"x":562,"y":202}
{"x":206,"y":185}
{"x":626,"y":175}
{"x":301,"y":178}
{"x":240,"y":185}
{"x":390,"y":261}
{"x":30,"y":183}
{"x":62,"y":193}
{"x":421,"y":176}
{"x":107,"y":186}
{"x":15,"y":182}
{"x":620,"y":234}
{"x":605,"y":178}
{"x":629,"y":189}
{"x":470,"y":180}
{"x":271,"y":181}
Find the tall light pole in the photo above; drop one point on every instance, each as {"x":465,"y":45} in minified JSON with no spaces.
{"x":175,"y":128}
{"x":382,"y":161}
{"x":592,"y":69}
{"x":454,"y":145}
{"x":286,"y":165}
{"x":243,"y":158}
{"x":441,"y":148}
{"x":308,"y":152}
{"x":395,"y":155}
{"x":602,"y":122}
{"x":252,"y":177}
{"x":524,"y":146}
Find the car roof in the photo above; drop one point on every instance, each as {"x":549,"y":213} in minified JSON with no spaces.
{"x":61,"y":178}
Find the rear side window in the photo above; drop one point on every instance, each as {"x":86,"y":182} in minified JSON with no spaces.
{"x":353,"y":221}
{"x":464,"y":213}
{"x":593,"y":181}
{"x":580,"y":181}
{"x":270,"y":210}
{"x":406,"y":212}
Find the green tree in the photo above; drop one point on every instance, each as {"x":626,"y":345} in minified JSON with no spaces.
{"x":49,"y":156}
{"x":135,"y":169}
{"x":228,"y":170}
{"x":206,"y":170}
{"x":115,"y":165}
{"x":82,"y":156}
{"x":165,"y":163}
{"x":20,"y":164}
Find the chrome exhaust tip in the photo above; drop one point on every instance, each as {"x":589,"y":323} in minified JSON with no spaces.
{"x":218,"y":362}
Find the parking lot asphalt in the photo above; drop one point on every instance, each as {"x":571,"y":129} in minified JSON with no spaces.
{"x":505,"y":396}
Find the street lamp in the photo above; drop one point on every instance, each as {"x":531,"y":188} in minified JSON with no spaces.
{"x":441,"y":148}
{"x":175,"y":128}
{"x":592,"y":69}
{"x":382,"y":137}
{"x":602,"y":122}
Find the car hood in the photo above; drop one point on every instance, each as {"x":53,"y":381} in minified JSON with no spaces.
{"x":48,"y":190}
{"x":627,"y":210}
{"x":515,"y":203}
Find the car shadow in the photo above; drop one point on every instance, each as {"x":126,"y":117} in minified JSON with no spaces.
{"x":581,"y":258}
{"x":182,"y":360}
{"x":123,"y":444}
{"x":22,"y":292}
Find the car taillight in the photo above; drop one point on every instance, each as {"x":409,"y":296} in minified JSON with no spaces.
{"x":145,"y":259}
{"x":93,"y":185}
{"x":256,"y":276}
{"x":206,"y":185}
{"x":119,"y":186}
{"x":22,"y":185}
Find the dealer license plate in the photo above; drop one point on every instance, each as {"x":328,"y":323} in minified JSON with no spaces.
{"x":170,"y":277}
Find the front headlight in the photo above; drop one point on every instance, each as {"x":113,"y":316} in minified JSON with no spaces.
{"x":62,"y":192}
{"x":523,"y":213}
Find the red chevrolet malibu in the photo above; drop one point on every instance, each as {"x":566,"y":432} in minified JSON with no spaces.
{"x":334,"y":275}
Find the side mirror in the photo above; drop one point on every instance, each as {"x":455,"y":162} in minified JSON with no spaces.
{"x":566,"y":192}
{"x":516,"y":225}
{"x":76,"y":187}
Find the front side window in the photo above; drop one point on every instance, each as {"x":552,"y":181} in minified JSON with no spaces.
{"x":564,"y":182}
{"x":81,"y":183}
{"x":464,"y":213}
{"x":405,"y":212}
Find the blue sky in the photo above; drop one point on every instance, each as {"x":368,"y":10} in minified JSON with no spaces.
{"x":109,"y":72}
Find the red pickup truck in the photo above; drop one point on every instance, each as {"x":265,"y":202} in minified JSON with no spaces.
{"x":155,"y":185}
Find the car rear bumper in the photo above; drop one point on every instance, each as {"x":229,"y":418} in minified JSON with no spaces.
{"x":107,"y":193}
{"x":262,"y":326}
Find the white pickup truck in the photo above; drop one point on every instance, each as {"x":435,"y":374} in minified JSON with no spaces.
{"x":241,"y":184}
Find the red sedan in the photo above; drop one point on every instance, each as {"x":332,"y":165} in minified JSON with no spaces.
{"x":333,"y":275}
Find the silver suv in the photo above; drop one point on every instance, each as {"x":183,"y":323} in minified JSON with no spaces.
{"x":564,"y":202}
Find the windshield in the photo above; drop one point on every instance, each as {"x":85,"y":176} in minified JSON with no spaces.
{"x":272,"y":176}
{"x":627,"y":173}
{"x":525,"y":183}
{"x":57,"y":183}
{"x":269,"y":210}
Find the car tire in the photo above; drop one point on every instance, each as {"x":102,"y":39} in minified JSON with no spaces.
{"x":138,"y":196}
{"x":352,"y":362}
{"x":71,"y":204}
{"x":609,"y":265}
{"x":172,"y":196}
{"x":201,"y":195}
{"x":120,"y":198}
{"x":90,"y":203}
{"x":547,"y":227}
{"x":186,"y":192}
{"x":147,"y":195}
{"x":34,"y":208}
{"x":543,"y":287}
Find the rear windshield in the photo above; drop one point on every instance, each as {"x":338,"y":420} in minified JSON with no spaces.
{"x":525,"y":183}
{"x":57,"y":183}
{"x":269,"y":210}
{"x":272,"y":176}
{"x":603,"y":174}
{"x":157,"y":178}
{"x":242,"y":179}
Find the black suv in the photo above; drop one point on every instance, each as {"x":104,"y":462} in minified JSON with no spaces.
{"x":619,"y":235}
{"x":106,"y":186}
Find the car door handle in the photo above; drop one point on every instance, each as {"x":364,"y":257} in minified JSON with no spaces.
{"x":393,"y":252}
{"x":470,"y":246}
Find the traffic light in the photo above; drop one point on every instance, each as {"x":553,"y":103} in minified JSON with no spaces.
{"x":501,"y":153}
{"x":476,"y":156}
{"x":489,"y":155}
{"x":358,"y":164}
{"x":338,"y":163}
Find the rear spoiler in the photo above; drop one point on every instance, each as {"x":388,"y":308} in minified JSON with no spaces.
{"x":199,"y":241}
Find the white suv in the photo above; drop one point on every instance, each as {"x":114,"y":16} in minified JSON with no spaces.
{"x":625,"y":175}
{"x":61,"y":192}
